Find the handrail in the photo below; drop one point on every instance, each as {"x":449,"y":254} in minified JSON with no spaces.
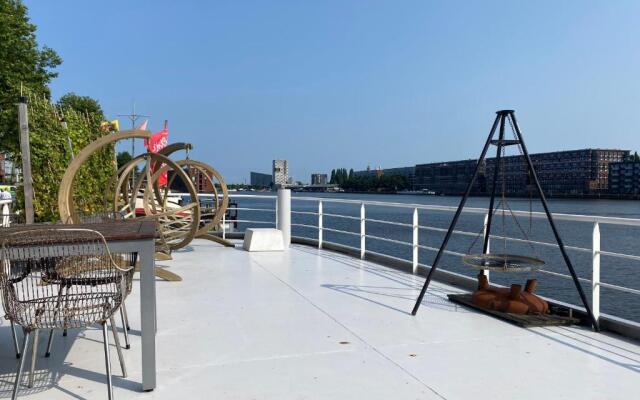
{"x":341,"y":216}
{"x":251,"y":209}
{"x":389,"y":240}
{"x":341,"y":231}
{"x":473,"y":210}
{"x":305,"y":226}
{"x":304,"y":212}
{"x":596,"y":252}
{"x":381,"y":221}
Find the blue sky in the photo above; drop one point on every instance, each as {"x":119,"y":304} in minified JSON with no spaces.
{"x":329,"y":84}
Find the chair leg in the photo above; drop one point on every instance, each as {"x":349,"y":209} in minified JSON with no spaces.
{"x":15,"y":339}
{"x":107,"y":360}
{"x":49,"y":343}
{"x":126,"y":316}
{"x":34,"y":353}
{"x":116,"y":340}
{"x":127,"y":345}
{"x":16,"y":384}
{"x":55,"y":315}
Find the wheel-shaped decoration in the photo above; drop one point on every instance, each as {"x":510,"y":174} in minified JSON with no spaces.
{"x":211,"y":212}
{"x":177,"y":223}
{"x":211,"y":209}
{"x":66,"y":206}
{"x":166,"y":218}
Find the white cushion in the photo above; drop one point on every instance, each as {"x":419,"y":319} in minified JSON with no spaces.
{"x":263,"y":239}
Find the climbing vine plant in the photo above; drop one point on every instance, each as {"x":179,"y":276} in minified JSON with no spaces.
{"x":52,"y":146}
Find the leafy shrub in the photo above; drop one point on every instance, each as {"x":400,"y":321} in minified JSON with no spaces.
{"x":50,"y":156}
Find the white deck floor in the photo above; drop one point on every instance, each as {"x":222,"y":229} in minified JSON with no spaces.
{"x":309,"y":324}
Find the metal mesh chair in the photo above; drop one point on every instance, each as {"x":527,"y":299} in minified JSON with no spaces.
{"x":8,"y":218}
{"x":123,"y":260}
{"x":59,"y":278}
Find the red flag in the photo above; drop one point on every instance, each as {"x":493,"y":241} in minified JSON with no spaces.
{"x":154,"y":144}
{"x":157,"y":141}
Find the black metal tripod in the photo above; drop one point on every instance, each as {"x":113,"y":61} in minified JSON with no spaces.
{"x":501,"y":117}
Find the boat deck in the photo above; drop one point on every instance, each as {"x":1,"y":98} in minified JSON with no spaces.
{"x":312,"y":324}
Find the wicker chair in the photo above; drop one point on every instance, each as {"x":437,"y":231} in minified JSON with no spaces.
{"x":59,"y":278}
{"x":8,"y":218}
{"x":124,"y":260}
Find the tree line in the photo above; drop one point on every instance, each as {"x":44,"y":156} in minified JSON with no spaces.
{"x":349,"y":181}
{"x":56,"y":130}
{"x":340,"y":176}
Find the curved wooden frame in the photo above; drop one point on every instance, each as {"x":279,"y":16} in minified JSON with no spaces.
{"x":185,"y":236}
{"x":66,"y":208}
{"x":68,"y":212}
{"x":221,"y":208}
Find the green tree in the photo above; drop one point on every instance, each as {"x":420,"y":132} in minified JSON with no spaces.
{"x":383,"y":183}
{"x":23,"y":64}
{"x":81,"y":104}
{"x":351,"y":174}
{"x":636,"y":157}
{"x":333,"y":177}
{"x":343,"y":176}
{"x":123,"y":157}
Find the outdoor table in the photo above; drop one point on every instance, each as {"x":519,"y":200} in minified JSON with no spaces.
{"x":128,"y":237}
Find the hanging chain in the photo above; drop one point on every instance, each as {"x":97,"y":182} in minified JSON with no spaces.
{"x":528,"y":240}
{"x":475,"y":240}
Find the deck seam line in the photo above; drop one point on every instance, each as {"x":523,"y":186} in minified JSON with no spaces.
{"x":367,"y":344}
{"x":254,"y":360}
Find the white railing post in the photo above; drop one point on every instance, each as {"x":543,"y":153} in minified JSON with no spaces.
{"x":284,"y":214}
{"x":224,"y":226}
{"x":320,"y":224}
{"x":362,"y":232}
{"x":484,"y":235}
{"x":595,"y":277}
{"x":415,"y":241}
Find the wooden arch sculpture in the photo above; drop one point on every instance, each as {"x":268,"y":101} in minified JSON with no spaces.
{"x":177,"y":225}
{"x":210,"y":216}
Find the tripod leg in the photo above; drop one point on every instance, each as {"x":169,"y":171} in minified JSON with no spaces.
{"x":567,"y":260}
{"x":455,"y":218}
{"x":485,"y":244}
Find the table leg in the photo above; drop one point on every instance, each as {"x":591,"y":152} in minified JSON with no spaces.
{"x":148,"y":314}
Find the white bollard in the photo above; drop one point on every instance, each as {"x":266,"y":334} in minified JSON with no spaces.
{"x":284,"y":215}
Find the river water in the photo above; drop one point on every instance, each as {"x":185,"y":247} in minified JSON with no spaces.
{"x":615,"y":238}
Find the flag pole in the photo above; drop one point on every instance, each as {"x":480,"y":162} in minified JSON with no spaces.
{"x":133,"y":117}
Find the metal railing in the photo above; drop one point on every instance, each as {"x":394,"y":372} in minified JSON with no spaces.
{"x":596,"y":252}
